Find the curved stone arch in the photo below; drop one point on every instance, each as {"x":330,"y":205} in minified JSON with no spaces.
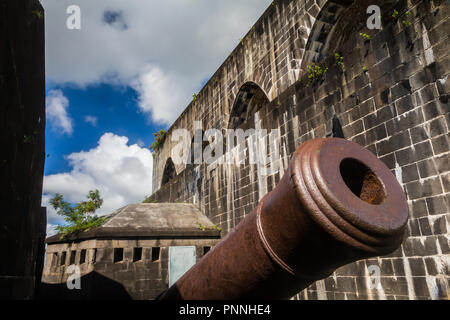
{"x":169,"y":172}
{"x":322,"y":31}
{"x":249,"y":99}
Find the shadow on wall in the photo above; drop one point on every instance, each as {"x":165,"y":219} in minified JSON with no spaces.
{"x":94,"y":286}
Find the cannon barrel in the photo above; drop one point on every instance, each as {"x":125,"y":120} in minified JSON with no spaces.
{"x":336,"y":204}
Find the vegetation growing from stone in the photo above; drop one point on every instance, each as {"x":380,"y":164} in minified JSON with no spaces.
{"x":79,"y":217}
{"x":148,"y":200}
{"x":395,"y":14}
{"x":315,"y":72}
{"x":38,"y":14}
{"x":160,"y":136}
{"x":339,"y":60}
{"x":365,"y":36}
{"x":203,"y":227}
{"x":406,"y":22}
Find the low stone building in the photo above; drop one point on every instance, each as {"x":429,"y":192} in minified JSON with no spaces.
{"x":135,"y":254}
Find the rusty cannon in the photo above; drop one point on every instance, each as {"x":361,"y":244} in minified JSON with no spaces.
{"x":336,"y":204}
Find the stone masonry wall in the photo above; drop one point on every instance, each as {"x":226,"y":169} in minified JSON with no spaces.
{"x":390,"y":96}
{"x":102,"y":278}
{"x":22,"y":155}
{"x":269,"y":55}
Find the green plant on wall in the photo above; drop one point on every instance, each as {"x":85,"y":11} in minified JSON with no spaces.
{"x":194,"y":97}
{"x":201,"y":226}
{"x":395,"y":14}
{"x":406,"y":22}
{"x":38,"y":14}
{"x":316,"y":72}
{"x":365,"y":36}
{"x":339,"y":60}
{"x":160,"y":136}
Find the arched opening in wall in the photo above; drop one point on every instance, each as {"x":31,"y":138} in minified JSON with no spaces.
{"x":323,"y":32}
{"x":250,"y":106}
{"x":169,"y":172}
{"x":250,"y":99}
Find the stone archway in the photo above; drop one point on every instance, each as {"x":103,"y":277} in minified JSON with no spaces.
{"x":322,"y":31}
{"x":250,"y":99}
{"x":169,"y":172}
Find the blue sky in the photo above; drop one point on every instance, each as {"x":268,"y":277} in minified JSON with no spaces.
{"x":114,"y":107}
{"x":128,"y":72}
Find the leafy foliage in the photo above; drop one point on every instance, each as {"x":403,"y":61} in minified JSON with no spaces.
{"x":160,"y":136}
{"x":406,"y":22}
{"x":203,"y":227}
{"x":315,"y":72}
{"x":365,"y":36}
{"x":79,"y":217}
{"x":339,"y":59}
{"x":395,"y":14}
{"x":38,"y":14}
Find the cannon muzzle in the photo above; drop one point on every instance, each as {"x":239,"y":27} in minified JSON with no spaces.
{"x":336,"y":204}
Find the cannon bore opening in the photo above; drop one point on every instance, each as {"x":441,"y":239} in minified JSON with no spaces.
{"x":362,"y":181}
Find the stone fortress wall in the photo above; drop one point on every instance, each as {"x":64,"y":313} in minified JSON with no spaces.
{"x":390,"y":95}
{"x":113,"y":268}
{"x":22,"y":156}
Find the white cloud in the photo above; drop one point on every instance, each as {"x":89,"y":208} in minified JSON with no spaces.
{"x":121,"y":172}
{"x":174,"y":45}
{"x":161,"y":95}
{"x":56,"y":109}
{"x":91,"y":119}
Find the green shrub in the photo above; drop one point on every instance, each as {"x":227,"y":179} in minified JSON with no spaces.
{"x":160,"y":136}
{"x":80,"y":216}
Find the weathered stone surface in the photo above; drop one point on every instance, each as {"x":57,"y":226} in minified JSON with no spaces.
{"x":389,"y":96}
{"x":128,"y":256}
{"x":103,"y":278}
{"x":158,"y":216}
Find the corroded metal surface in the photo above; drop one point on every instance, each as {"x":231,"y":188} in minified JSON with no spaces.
{"x":337,"y":203}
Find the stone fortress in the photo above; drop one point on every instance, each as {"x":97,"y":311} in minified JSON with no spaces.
{"x":308,"y":68}
{"x":128,"y":256}
{"x":313,"y":69}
